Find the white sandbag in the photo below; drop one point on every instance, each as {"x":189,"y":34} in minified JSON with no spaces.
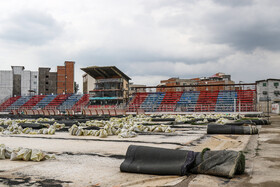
{"x":2,"y":151}
{"x":24,"y":154}
{"x":37,"y":155}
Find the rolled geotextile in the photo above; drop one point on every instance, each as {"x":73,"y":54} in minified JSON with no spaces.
{"x":211,"y":120}
{"x":163,"y":119}
{"x":97,"y":118}
{"x":32,"y":125}
{"x":68,"y":123}
{"x":251,"y":121}
{"x":160,"y":161}
{"x":47,"y":122}
{"x":229,"y":118}
{"x":223,"y":163}
{"x":65,"y":129}
{"x":155,"y":123}
{"x":57,"y":117}
{"x":82,"y":120}
{"x":231,"y":129}
{"x":260,"y":121}
{"x":198,"y":119}
{"x":92,"y":128}
{"x":240,"y":123}
{"x":252,"y":115}
{"x":190,"y":122}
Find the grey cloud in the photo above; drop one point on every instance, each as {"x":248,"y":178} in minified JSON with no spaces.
{"x":241,"y":24}
{"x":30,"y":27}
{"x":244,"y":31}
{"x":234,"y":3}
{"x":127,"y":56}
{"x":262,"y":36}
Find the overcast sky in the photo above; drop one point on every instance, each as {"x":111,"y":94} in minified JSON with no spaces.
{"x":149,"y":40}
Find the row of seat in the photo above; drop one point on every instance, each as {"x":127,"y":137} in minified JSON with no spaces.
{"x":194,"y":101}
{"x":61,"y":102}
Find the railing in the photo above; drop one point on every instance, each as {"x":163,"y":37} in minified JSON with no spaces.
{"x":242,"y":107}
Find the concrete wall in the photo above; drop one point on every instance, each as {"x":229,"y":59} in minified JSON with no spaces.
{"x":24,"y":82}
{"x":18,"y":82}
{"x":88,"y":83}
{"x":47,"y":81}
{"x":6,"y":84}
{"x":34,"y":82}
{"x":275,"y":108}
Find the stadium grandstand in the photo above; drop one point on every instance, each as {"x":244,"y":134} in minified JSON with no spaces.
{"x":107,"y":87}
{"x":241,"y":98}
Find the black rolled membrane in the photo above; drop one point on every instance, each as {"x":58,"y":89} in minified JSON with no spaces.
{"x":161,"y":161}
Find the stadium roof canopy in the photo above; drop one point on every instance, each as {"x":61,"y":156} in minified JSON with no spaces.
{"x":105,"y":72}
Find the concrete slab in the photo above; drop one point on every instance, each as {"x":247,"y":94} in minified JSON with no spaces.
{"x":91,"y":161}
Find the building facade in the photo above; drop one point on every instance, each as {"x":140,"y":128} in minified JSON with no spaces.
{"x":88,"y":83}
{"x":268,"y":90}
{"x":191,"y":84}
{"x":111,"y":85}
{"x":47,"y":81}
{"x":176,"y":81}
{"x":268,"y":93}
{"x":60,"y":82}
{"x":133,"y":88}
{"x":18,"y":81}
{"x":65,"y":78}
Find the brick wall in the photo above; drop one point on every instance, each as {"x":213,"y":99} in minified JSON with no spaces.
{"x":69,"y":67}
{"x":61,"y":86}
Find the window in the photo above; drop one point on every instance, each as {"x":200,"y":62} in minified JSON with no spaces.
{"x":276,"y":84}
{"x":264,"y":84}
{"x":264,"y":92}
{"x":35,"y":76}
{"x":35,"y":82}
{"x":47,"y":82}
{"x":47,"y":89}
{"x":47,"y":76}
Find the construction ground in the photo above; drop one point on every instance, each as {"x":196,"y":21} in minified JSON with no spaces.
{"x":93,"y":161}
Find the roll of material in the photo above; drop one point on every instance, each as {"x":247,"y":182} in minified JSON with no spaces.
{"x":160,"y":161}
{"x":231,"y":129}
{"x":152,"y":160}
{"x":68,"y":123}
{"x":32,"y":125}
{"x":224,"y":163}
{"x":251,"y":121}
{"x":163,"y":119}
{"x":240,"y":123}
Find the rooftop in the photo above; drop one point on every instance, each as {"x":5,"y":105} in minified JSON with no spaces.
{"x":105,"y":72}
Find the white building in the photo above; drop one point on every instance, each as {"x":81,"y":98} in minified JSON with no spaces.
{"x":269,"y":88}
{"x":268,"y":92}
{"x":88,"y":83}
{"x":18,"y":82}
